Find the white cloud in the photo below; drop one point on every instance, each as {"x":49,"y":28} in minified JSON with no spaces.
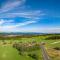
{"x":27,"y":14}
{"x":48,"y":29}
{"x":36,"y":29}
{"x":11,"y":5}
{"x":3,"y":21}
{"x":40,"y":29}
{"x":18,"y":27}
{"x":12,"y":27}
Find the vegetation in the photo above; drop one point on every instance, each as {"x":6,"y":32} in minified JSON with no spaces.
{"x":27,"y":47}
{"x":53,"y":38}
{"x":57,"y":48}
{"x":34,"y":56}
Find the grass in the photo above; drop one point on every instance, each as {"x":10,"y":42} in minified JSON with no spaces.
{"x":7,"y":52}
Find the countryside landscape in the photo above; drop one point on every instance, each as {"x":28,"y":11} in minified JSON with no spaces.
{"x":28,"y":46}
{"x":29,"y":29}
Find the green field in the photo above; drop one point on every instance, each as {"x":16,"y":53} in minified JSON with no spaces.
{"x":7,"y":52}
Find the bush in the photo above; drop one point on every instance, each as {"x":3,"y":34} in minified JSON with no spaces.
{"x":57,"y":48}
{"x":34,"y":56}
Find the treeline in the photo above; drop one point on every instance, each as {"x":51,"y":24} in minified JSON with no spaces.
{"x":52,"y":37}
{"x":16,"y":37}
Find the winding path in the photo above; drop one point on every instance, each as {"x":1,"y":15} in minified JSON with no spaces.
{"x":44,"y":52}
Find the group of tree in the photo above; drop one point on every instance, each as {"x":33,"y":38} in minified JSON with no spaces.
{"x":26,"y":47}
{"x":52,"y":37}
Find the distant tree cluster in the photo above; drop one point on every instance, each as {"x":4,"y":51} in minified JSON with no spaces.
{"x":16,"y":37}
{"x":52,"y":38}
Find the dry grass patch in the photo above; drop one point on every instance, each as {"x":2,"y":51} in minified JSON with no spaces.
{"x":54,"y":54}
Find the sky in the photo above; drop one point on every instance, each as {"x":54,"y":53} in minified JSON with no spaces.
{"x":30,"y":16}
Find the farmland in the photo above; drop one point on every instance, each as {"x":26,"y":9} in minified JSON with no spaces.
{"x":27,"y":47}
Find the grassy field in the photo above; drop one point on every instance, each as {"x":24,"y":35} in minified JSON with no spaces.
{"x":7,"y":52}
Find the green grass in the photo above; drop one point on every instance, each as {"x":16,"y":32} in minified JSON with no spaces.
{"x":7,"y":52}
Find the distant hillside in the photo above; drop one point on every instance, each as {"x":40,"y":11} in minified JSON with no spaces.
{"x":20,"y":33}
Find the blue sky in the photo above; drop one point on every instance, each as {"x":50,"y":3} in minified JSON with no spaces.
{"x":30,"y":16}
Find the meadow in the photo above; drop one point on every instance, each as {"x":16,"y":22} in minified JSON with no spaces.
{"x":31,"y":52}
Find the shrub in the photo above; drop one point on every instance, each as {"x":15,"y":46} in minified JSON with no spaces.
{"x":57,"y":48}
{"x":34,"y":56}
